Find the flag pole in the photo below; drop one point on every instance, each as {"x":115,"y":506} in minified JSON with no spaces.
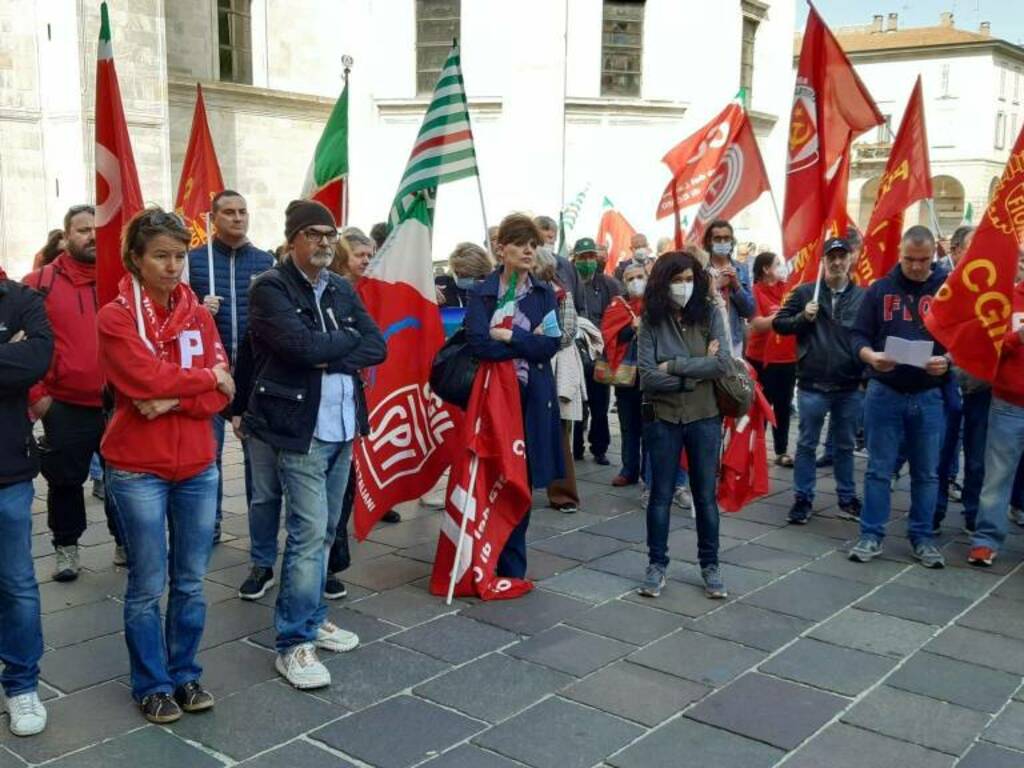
{"x":346,"y":62}
{"x":565,"y":94}
{"x":209,"y":253}
{"x":935,"y":219}
{"x":817,"y":283}
{"x":675,"y":213}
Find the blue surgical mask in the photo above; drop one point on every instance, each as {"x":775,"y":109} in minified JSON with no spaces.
{"x":721,"y":249}
{"x":464,"y":283}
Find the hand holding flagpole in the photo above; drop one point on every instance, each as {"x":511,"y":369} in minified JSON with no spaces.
{"x":211,"y":297}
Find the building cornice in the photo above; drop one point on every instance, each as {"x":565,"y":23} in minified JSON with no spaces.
{"x":909,"y":52}
{"x":181,"y":92}
{"x":580,"y":106}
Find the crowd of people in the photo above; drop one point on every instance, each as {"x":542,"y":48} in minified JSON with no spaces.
{"x":275,"y":344}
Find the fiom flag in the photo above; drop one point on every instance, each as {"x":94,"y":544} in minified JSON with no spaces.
{"x":830,"y":108}
{"x":907,"y":179}
{"x":413,"y":433}
{"x":118,"y":196}
{"x":488,"y":487}
{"x":970,"y":315}
{"x":200,"y":176}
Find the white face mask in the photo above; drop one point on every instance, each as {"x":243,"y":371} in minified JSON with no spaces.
{"x":636,"y":286}
{"x":781,"y":271}
{"x":680,"y":293}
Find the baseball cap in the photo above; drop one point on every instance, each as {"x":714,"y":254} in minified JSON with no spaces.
{"x":584,"y":245}
{"x":837,"y":244}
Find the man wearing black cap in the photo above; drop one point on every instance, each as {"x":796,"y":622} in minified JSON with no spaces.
{"x":903,"y":406}
{"x":593,"y":294}
{"x":828,"y":375}
{"x":311,"y":336}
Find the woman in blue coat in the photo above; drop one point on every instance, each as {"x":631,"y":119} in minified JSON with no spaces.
{"x":531,"y":350}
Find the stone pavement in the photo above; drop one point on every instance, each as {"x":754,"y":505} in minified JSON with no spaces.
{"x":813,"y":662}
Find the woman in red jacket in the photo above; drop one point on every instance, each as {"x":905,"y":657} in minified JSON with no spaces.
{"x":773,"y":356}
{"x":161,"y":355}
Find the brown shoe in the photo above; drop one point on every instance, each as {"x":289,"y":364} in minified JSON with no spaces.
{"x":192,"y":697}
{"x":160,"y":708}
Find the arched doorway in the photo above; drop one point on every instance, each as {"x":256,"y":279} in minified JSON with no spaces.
{"x":992,"y":188}
{"x":949,"y":202}
{"x":868,"y":195}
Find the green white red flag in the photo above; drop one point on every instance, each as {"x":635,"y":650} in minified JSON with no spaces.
{"x":327,"y":177}
{"x":200,"y":176}
{"x":972,"y":311}
{"x":414,"y":435}
{"x":118,"y":196}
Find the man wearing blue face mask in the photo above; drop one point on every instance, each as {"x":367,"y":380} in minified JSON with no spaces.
{"x":731,"y":278}
{"x":469,"y":264}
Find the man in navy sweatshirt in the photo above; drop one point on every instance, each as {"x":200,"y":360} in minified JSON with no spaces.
{"x":903,"y":405}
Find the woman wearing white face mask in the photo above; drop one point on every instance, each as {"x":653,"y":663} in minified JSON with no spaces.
{"x":618,"y":327}
{"x":773,"y":356}
{"x":682,"y":349}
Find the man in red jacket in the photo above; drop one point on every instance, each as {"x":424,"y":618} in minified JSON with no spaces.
{"x":69,"y":399}
{"x":1005,"y":436}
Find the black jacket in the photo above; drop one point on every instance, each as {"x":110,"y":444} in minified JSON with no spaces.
{"x":22,"y":364}
{"x":592,"y":298}
{"x":826,"y":360}
{"x":293,"y":343}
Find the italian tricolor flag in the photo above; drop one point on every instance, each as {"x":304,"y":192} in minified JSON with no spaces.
{"x":118,"y":196}
{"x":327,"y":178}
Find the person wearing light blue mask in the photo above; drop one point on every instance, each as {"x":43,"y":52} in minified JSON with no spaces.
{"x":732,"y":279}
{"x":469,"y":264}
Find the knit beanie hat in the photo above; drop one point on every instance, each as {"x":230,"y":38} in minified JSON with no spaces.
{"x":305,"y":213}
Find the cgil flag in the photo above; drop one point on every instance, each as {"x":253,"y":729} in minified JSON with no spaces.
{"x":971,"y":313}
{"x":413,"y":433}
{"x":118,"y":196}
{"x":616,"y":234}
{"x":907,"y":179}
{"x":831,"y":107}
{"x":719,"y":167}
{"x":488,"y":492}
{"x":327,"y":177}
{"x":200,"y":176}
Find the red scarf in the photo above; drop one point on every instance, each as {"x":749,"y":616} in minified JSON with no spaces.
{"x":160,"y":326}
{"x":619,"y":315}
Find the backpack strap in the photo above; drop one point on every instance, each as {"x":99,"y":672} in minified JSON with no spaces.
{"x":44,"y":282}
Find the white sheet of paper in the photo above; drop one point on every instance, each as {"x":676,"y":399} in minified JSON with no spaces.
{"x":908,"y":352}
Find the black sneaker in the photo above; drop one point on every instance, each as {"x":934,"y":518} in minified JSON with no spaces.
{"x":800,"y":512}
{"x":850,"y":510}
{"x":601,"y":460}
{"x":391,"y":516}
{"x":824,"y":461}
{"x":160,"y":708}
{"x":334,"y":588}
{"x":192,"y":697}
{"x":256,"y":586}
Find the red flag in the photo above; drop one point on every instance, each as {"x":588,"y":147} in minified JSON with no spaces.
{"x":615,"y":233}
{"x":745,"y":459}
{"x":488,"y":485}
{"x":835,"y":225}
{"x":200,"y":175}
{"x":970,"y":314}
{"x":907,"y":179}
{"x":830,"y":108}
{"x":118,"y":196}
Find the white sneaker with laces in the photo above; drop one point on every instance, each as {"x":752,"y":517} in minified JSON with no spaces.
{"x":300,"y":667}
{"x":28,"y":715}
{"x":683,"y":499}
{"x":331,"y":637}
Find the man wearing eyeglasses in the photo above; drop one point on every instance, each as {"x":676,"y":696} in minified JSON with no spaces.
{"x":225,"y":293}
{"x":69,"y":399}
{"x":311,"y":337}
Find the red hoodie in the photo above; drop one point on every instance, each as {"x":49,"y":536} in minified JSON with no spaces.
{"x":1008,"y":384}
{"x":185,"y":347}
{"x":74,"y":375}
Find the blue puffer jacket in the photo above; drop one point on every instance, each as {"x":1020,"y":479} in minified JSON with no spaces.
{"x":233,"y":271}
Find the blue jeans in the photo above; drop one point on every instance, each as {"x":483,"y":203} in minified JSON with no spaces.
{"x":95,"y":468}
{"x":949,"y":453}
{"x":512,"y":561}
{"x":153,"y":513}
{"x":1002,"y":457}
{"x":844,"y":407}
{"x":314,"y":485}
{"x":893,"y":420}
{"x":21,"y":633}
{"x":265,"y":503}
{"x":219,"y":426}
{"x":627,"y":400}
{"x":974,"y":436}
{"x":665,"y":441}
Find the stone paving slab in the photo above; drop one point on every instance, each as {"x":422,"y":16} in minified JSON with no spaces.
{"x":470,"y":756}
{"x":297,"y":754}
{"x":1007,"y":729}
{"x":984,"y":755}
{"x":874,"y":632}
{"x":701,"y":745}
{"x":755,"y":627}
{"x":374,"y":672}
{"x":150,"y":746}
{"x":844,"y":746}
{"x":843,"y":670}
{"x":629,"y":622}
{"x":698,"y":657}
{"x":588,"y":584}
{"x":454,"y":639}
{"x":570,"y":650}
{"x":954,"y":681}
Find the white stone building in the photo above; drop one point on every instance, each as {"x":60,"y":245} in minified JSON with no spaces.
{"x":603,"y":87}
{"x":973,"y":85}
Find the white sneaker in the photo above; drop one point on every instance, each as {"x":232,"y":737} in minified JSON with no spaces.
{"x":300,"y":667}
{"x":331,"y":637}
{"x":67,"y":563}
{"x":1017,"y":516}
{"x":682,"y":499}
{"x":28,"y":715}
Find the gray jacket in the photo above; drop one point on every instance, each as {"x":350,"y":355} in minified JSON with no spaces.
{"x":685,"y":392}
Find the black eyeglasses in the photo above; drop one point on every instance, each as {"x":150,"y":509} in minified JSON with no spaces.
{"x":316,"y":236}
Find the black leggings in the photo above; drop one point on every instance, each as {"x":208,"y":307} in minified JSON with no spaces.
{"x":777,"y":381}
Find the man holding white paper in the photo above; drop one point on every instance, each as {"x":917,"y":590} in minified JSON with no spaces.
{"x":903,"y":404}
